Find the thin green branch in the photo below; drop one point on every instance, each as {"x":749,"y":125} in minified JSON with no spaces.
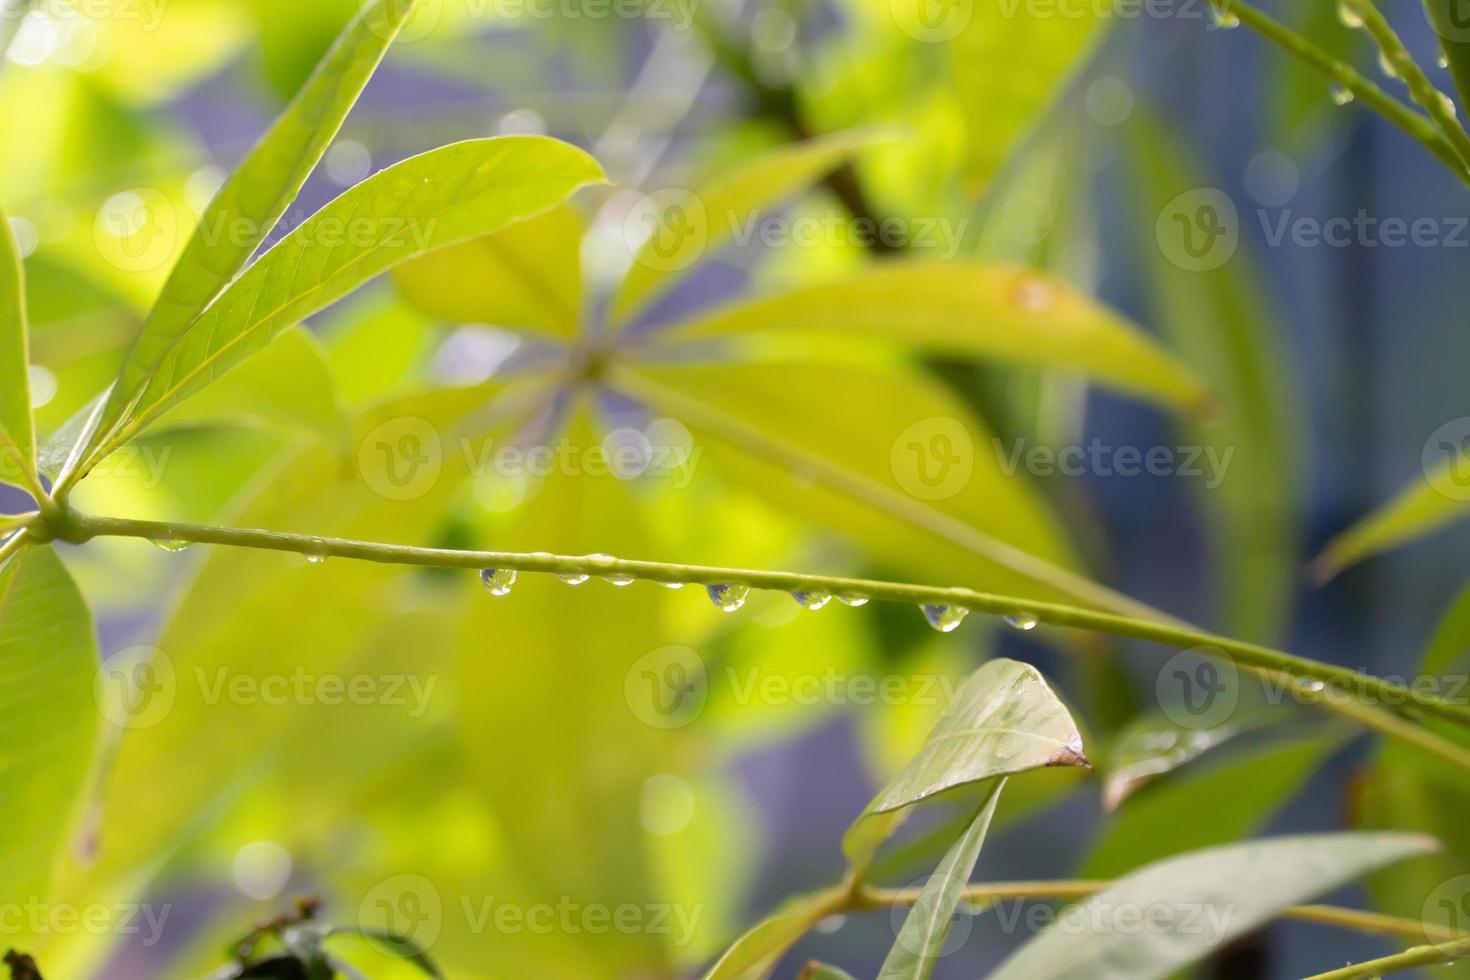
{"x":1409,"y":959}
{"x":1441,"y":107}
{"x":1355,"y":919}
{"x":1340,"y":73}
{"x":80,"y":528}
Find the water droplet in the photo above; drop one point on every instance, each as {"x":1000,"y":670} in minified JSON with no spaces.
{"x":1442,"y":61}
{"x":1225,"y":20}
{"x":1312,"y":685}
{"x":944,"y":618}
{"x":1022,"y":621}
{"x":1034,"y":295}
{"x":315,"y":558}
{"x":170,"y":544}
{"x":853,"y":600}
{"x":1348,"y":15}
{"x":574,"y":578}
{"x":812,"y":599}
{"x":1341,"y":96}
{"x":618,"y":579}
{"x":728,"y":597}
{"x":672,"y":585}
{"x":498,"y":581}
{"x":1446,"y":104}
{"x":1386,"y":66}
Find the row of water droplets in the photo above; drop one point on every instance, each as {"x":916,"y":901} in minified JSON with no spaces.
{"x":730,"y":596}
{"x":1348,"y":15}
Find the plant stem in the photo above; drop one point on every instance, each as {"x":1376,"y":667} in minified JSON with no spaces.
{"x":1340,"y":73}
{"x":1446,"y":952}
{"x":81,"y":528}
{"x":1358,"y":920}
{"x":1439,"y":106}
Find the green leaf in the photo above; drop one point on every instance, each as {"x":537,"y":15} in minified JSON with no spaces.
{"x":1225,"y":802}
{"x":253,"y":200}
{"x":755,"y":954}
{"x":426,"y":202}
{"x":1004,"y":313}
{"x":1153,"y":745}
{"x":1447,"y":17}
{"x":1225,"y":892}
{"x":920,"y":942}
{"x":1009,"y":65}
{"x":17,"y":430}
{"x":401,"y":946}
{"x":689,"y":225}
{"x":288,"y":388}
{"x":1220,"y":323}
{"x":527,"y":275}
{"x":1440,"y":497}
{"x":48,"y":662}
{"x":1004,"y":720}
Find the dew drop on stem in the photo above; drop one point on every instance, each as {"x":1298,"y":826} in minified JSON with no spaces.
{"x":853,"y":600}
{"x":498,"y":581}
{"x":728,"y":598}
{"x":574,"y":578}
{"x":172,"y":545}
{"x":1022,"y":621}
{"x":812,"y":599}
{"x":944,"y":618}
{"x":618,"y":579}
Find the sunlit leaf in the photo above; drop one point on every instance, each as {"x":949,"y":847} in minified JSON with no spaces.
{"x":1225,"y":802}
{"x":253,"y":199}
{"x":1004,"y":720}
{"x":526,"y":275}
{"x":48,"y":662}
{"x":426,"y":202}
{"x":687,"y":225}
{"x":17,"y":430}
{"x":1226,"y":891}
{"x":1009,"y":314}
{"x":920,"y":942}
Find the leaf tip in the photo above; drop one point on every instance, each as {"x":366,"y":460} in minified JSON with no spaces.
{"x":1070,"y":754}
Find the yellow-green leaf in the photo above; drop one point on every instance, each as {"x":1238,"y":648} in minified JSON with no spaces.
{"x":426,"y":202}
{"x":48,"y":661}
{"x":526,"y":275}
{"x":1005,"y":313}
{"x":17,"y":429}
{"x":254,"y":198}
{"x":688,"y":225}
{"x":755,"y":954}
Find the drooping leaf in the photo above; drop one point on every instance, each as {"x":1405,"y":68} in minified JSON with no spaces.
{"x":1004,"y":720}
{"x":688,"y":225}
{"x":255,"y":196}
{"x":401,"y":946}
{"x":288,"y":387}
{"x":17,"y":430}
{"x":754,"y":955}
{"x":1005,"y":313}
{"x":1196,"y":903}
{"x":48,"y":663}
{"x":1218,"y":321}
{"x":920,"y":942}
{"x":425,"y":202}
{"x":1441,"y":496}
{"x":1153,"y":745}
{"x":526,"y":275}
{"x":1225,"y":802}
